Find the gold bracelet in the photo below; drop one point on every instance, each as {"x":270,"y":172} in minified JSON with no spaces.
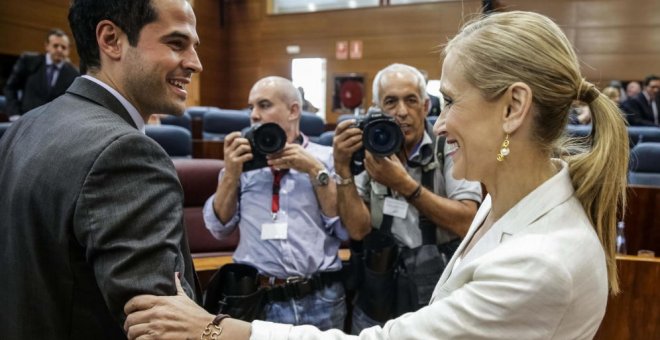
{"x":213,"y":329}
{"x":211,"y":332}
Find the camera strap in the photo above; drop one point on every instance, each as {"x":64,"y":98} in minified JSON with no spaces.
{"x":428,"y":229}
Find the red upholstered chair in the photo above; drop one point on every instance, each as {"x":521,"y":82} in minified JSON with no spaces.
{"x":199,"y":179}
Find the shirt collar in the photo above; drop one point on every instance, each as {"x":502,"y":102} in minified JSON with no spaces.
{"x":49,"y":61}
{"x":137,"y":118}
{"x":423,"y":153}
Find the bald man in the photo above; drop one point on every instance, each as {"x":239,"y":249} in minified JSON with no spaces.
{"x":286,"y":213}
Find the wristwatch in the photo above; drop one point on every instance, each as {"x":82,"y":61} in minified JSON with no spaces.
{"x":342,"y":181}
{"x":322,"y":178}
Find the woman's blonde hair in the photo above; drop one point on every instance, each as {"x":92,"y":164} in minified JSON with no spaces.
{"x":501,"y":49}
{"x":611,"y":92}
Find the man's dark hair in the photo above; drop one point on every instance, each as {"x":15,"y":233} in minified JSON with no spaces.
{"x":84,"y":15}
{"x":649,"y":79}
{"x":56,"y":32}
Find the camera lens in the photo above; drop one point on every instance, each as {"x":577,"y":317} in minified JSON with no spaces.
{"x":269,"y":138}
{"x":383,"y":138}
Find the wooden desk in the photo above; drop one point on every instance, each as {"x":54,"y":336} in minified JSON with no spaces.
{"x":635,"y":312}
{"x":207,"y":265}
{"x":208,"y":149}
{"x":642,"y":219}
{"x":213,"y":262}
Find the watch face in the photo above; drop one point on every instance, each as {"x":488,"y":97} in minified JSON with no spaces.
{"x":323,"y":177}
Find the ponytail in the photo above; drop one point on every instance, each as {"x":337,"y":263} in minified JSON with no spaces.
{"x":599,"y":174}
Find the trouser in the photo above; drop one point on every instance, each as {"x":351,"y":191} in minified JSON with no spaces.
{"x":324,"y":308}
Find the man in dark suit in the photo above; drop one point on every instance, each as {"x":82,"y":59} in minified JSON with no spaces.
{"x":91,"y":208}
{"x":39,"y":78}
{"x":643,"y":109}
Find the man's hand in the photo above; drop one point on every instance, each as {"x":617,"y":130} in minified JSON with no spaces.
{"x":294,"y":156}
{"x":165,"y":317}
{"x":347,"y":140}
{"x":237,"y":151}
{"x":389,"y":172}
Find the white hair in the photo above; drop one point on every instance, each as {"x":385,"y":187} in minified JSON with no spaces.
{"x":421,"y":82}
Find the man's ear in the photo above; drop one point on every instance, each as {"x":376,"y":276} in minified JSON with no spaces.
{"x":295,"y":111}
{"x":108,"y":38}
{"x":518,"y":106}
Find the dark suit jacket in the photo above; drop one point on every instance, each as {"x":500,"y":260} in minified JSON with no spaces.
{"x":434,"y":108}
{"x":91,"y":215}
{"x":638,"y":111}
{"x":29,"y":76}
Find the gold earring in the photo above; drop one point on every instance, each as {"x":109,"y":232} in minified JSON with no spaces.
{"x":504,"y":151}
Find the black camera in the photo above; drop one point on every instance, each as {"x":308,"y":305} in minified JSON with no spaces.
{"x":265,"y":139}
{"x":381,"y":135}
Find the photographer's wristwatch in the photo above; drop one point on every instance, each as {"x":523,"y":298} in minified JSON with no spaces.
{"x":322,"y":178}
{"x":342,"y":181}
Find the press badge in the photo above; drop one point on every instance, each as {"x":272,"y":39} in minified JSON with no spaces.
{"x":274,"y":231}
{"x":395,"y":208}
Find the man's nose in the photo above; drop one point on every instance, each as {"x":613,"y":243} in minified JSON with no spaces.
{"x":401,"y":109}
{"x":192,"y":62}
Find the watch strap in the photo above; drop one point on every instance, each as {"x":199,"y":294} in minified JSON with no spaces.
{"x":340,"y":181}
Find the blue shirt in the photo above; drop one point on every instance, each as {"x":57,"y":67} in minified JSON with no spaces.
{"x":313,"y":239}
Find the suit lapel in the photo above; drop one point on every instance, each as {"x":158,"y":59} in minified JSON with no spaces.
{"x":539,"y":202}
{"x":88,"y":89}
{"x":478,"y":220}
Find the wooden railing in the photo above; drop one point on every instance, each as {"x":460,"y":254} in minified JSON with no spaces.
{"x":635,"y":312}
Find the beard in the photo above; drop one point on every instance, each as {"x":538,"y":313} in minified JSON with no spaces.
{"x":147,"y":85}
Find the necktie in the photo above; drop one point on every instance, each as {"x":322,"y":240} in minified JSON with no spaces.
{"x":50,"y":72}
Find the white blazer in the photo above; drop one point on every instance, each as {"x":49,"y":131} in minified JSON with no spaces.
{"x":538,"y":273}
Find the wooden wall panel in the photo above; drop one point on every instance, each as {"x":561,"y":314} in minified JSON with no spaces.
{"x":615,"y":39}
{"x":213,"y":52}
{"x":25,"y":23}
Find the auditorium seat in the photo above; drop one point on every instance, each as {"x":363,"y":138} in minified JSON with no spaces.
{"x":344,"y":117}
{"x":645,"y":164}
{"x":311,"y":125}
{"x":643,"y":134}
{"x":432,"y":119}
{"x":199,"y":179}
{"x":326,"y":138}
{"x":182,"y":121}
{"x":3,"y":128}
{"x":199,"y":111}
{"x":578,"y":130}
{"x":219,"y":123}
{"x":176,"y":140}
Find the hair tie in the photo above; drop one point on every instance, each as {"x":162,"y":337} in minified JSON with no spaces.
{"x":587,"y":92}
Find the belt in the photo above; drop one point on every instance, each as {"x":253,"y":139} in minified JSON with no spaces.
{"x":296,"y":287}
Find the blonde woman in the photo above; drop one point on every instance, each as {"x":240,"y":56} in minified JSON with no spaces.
{"x":538,"y":260}
{"x":612,"y":93}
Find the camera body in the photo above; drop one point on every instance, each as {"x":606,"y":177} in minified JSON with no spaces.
{"x":265,"y":139}
{"x":381,"y":135}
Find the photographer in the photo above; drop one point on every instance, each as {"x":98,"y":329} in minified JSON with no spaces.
{"x":410,"y":196}
{"x":286,"y":212}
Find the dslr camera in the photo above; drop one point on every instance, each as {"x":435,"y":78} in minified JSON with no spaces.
{"x":381,"y":135}
{"x":265,"y":139}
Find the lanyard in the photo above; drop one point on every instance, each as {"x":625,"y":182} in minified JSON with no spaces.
{"x":277,"y":178}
